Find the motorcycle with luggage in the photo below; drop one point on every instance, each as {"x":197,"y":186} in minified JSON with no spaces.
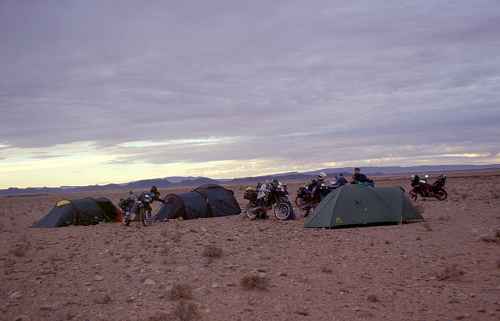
{"x":422,"y":187}
{"x":137,"y":208}
{"x":269,"y":196}
{"x":307,"y":199}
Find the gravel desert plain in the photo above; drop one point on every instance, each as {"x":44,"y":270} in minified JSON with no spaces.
{"x":446,"y":268}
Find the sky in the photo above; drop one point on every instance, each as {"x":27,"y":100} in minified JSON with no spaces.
{"x":97,"y":91}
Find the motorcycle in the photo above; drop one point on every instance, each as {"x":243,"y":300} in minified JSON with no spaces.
{"x":424,"y":189}
{"x":306,"y":200}
{"x":137,"y":208}
{"x":269,"y":196}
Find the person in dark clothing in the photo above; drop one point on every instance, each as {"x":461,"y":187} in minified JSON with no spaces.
{"x":340,"y":181}
{"x":359,"y":178}
{"x":155,"y":194}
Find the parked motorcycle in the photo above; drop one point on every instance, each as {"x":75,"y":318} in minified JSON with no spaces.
{"x":137,"y":208}
{"x":307,"y":201}
{"x":423,"y":188}
{"x":269,"y":196}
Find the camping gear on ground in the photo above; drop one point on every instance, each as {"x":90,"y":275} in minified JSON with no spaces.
{"x":137,"y":208}
{"x":208,"y":200}
{"x":86,"y":211}
{"x":357,"y":205}
{"x":424,"y":189}
{"x":268,"y":196}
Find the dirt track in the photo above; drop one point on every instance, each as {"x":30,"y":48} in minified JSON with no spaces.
{"x":447,"y":268}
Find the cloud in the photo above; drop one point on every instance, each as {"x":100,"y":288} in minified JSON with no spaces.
{"x":284,"y":82}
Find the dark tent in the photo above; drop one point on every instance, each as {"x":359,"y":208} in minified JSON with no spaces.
{"x":186,"y":205}
{"x":220,"y":199}
{"x":86,"y":211}
{"x":205,"y":201}
{"x":355,"y":205}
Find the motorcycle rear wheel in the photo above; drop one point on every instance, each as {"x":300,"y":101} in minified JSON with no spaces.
{"x":441,"y":195}
{"x":248,"y":212}
{"x":283,"y":211}
{"x":147,"y":218}
{"x":255,"y":212}
{"x":304,"y":206}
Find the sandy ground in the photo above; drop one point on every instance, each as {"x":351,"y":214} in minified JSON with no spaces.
{"x":447,"y":268}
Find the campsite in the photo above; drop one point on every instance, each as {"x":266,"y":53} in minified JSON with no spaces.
{"x":229,"y":268}
{"x":225,"y":160}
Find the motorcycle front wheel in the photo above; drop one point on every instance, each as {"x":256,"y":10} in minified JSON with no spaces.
{"x":249,"y":211}
{"x":142,"y":217}
{"x":441,"y":195}
{"x":283,"y":211}
{"x":126,"y":220}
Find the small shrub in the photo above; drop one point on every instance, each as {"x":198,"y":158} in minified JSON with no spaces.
{"x":165,"y":251}
{"x":427,"y":227}
{"x":450,"y":273}
{"x":488,"y":239}
{"x":186,"y":311}
{"x":326,"y":269}
{"x":254,"y":282}
{"x":212,"y":252}
{"x":180,"y":292}
{"x":372,"y":298}
{"x":177,"y":237}
{"x":20,"y":250}
{"x":159,"y":316}
{"x":303,"y":313}
{"x":102,"y":299}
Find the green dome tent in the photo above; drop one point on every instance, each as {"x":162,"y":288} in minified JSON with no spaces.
{"x":356,"y":205}
{"x":85,"y":211}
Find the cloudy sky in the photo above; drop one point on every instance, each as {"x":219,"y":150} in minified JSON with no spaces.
{"x":101,"y":91}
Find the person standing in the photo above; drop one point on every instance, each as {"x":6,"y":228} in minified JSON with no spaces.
{"x":360,"y":178}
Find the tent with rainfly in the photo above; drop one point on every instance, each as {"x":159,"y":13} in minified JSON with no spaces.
{"x":208,"y":200}
{"x":85,"y":211}
{"x":356,"y":205}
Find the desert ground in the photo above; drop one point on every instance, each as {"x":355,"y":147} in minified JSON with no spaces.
{"x":446,"y":268}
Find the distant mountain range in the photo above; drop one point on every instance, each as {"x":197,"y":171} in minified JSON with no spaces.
{"x":190,"y":181}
